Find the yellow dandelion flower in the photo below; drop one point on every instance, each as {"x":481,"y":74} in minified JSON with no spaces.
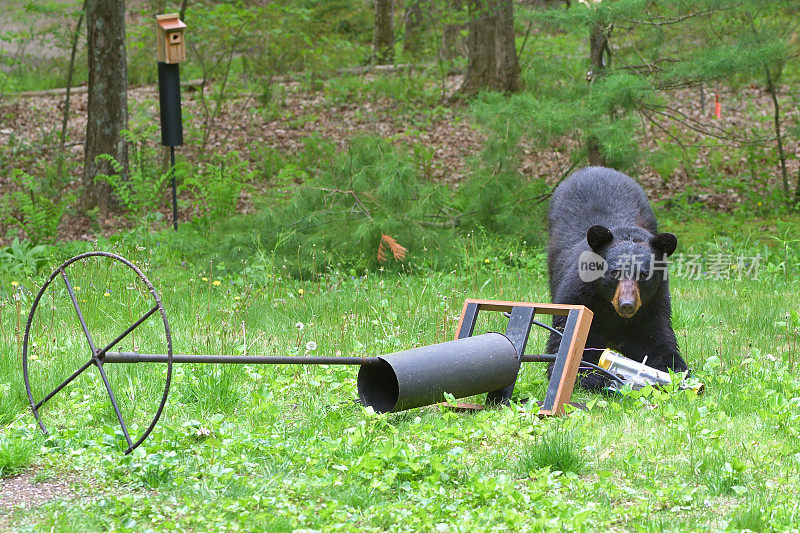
{"x":15,"y":283}
{"x":301,"y":292}
{"x":217,"y":282}
{"x":204,"y":279}
{"x":487,"y":260}
{"x":107,"y":294}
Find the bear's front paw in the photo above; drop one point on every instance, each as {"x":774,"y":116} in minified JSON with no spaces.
{"x":593,"y":381}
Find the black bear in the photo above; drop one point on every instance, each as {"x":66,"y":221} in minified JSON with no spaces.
{"x":606,"y":253}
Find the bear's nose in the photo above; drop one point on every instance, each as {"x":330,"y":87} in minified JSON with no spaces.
{"x":626,"y":298}
{"x":627,"y":308}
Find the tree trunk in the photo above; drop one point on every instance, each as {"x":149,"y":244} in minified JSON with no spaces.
{"x":773,"y":91}
{"x":598,"y":54}
{"x":492,"y":55}
{"x":182,"y":12}
{"x":62,"y":139}
{"x":481,"y":65}
{"x":797,"y":190}
{"x":383,"y":41}
{"x":108,"y":97}
{"x":452,"y":43}
{"x":506,"y":49}
{"x":598,"y":49}
{"x":413,"y":25}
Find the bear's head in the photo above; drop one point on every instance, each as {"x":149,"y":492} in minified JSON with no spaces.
{"x":635,"y":265}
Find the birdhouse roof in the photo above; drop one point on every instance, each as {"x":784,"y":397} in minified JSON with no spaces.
{"x":170,"y":22}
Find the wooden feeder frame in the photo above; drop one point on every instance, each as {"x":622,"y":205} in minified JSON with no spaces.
{"x":566,"y":362}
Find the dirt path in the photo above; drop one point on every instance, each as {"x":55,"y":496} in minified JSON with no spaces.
{"x":25,"y":493}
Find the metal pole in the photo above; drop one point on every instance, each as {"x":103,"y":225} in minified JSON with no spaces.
{"x":169,"y":94}
{"x":133,"y":357}
{"x":174,"y":188}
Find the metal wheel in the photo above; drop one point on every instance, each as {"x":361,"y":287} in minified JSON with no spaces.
{"x":96,"y":354}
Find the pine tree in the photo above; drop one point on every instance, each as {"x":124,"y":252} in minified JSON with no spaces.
{"x":638,"y":51}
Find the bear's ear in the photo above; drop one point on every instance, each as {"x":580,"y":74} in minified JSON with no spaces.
{"x":598,"y":236}
{"x":664,"y":243}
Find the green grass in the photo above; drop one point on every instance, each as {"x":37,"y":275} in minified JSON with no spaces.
{"x":16,"y":453}
{"x":557,"y":449}
{"x":277,"y":448}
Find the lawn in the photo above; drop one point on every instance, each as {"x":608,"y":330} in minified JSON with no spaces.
{"x":279,"y":448}
{"x":300,"y":161}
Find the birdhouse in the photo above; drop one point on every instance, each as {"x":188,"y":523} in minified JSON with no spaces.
{"x":171,"y":42}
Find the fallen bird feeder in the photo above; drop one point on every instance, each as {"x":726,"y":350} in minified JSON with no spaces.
{"x":469,"y":365}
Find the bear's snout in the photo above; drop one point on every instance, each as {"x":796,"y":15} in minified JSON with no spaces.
{"x":626,"y":298}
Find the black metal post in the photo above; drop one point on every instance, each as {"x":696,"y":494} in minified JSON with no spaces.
{"x":174,"y":188}
{"x":517,"y":330}
{"x":169,"y":95}
{"x":133,"y":357}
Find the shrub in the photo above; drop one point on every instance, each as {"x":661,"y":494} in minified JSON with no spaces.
{"x":36,"y":206}
{"x":21,"y":258}
{"x":371,"y":190}
{"x":219,"y":182}
{"x":340,"y":216}
{"x":141,"y":190}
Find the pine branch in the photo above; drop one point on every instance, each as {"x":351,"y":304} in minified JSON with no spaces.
{"x":677,"y":20}
{"x":666,"y":132}
{"x":399,"y":252}
{"x":649,"y":67}
{"x":698,"y":126}
{"x":362,"y":207}
{"x":538,"y":199}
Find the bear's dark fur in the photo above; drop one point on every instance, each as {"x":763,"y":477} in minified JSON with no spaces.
{"x":605,"y":212}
